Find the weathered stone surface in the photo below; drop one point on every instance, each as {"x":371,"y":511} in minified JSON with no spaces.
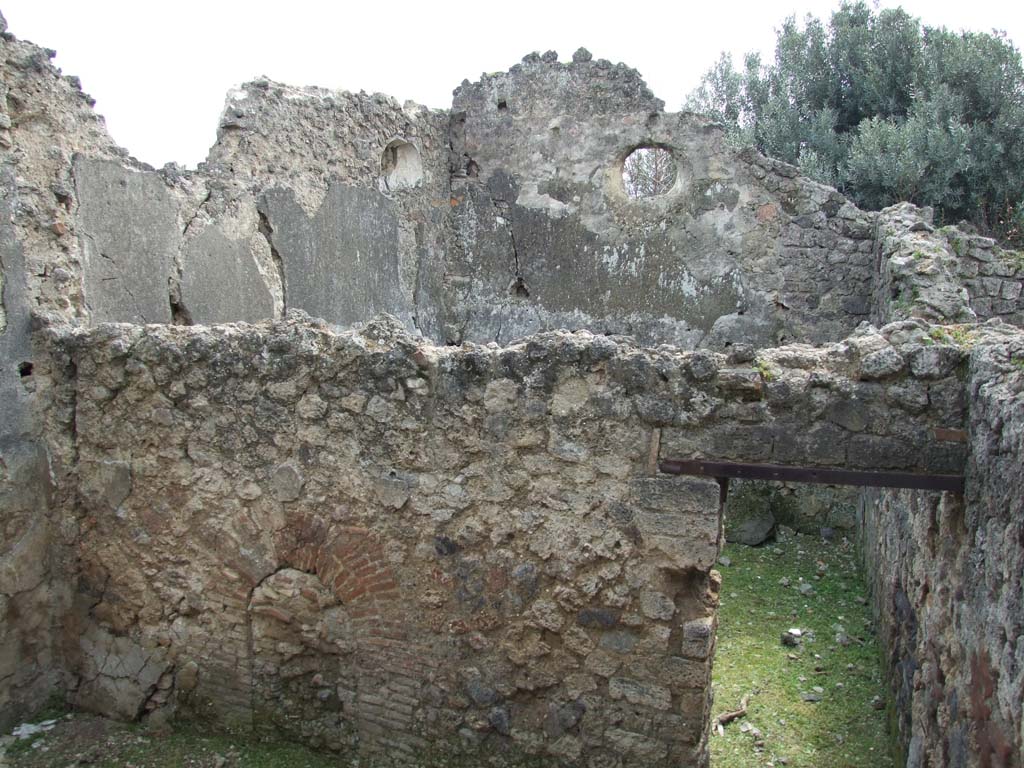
{"x":946,"y":577}
{"x":294,"y":612}
{"x":29,"y":598}
{"x":943,"y":275}
{"x":549,"y":238}
{"x":749,"y":524}
{"x":882,"y":364}
{"x":119,"y":675}
{"x":426,"y":479}
{"x":287,"y":482}
{"x":129,"y":233}
{"x":221,"y":281}
{"x":641,"y":694}
{"x":365,"y":538}
{"x":681,"y":518}
{"x":341,"y":264}
{"x":107,"y":485}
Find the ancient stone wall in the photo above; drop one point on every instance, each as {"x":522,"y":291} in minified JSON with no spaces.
{"x":946,"y":573}
{"x":740,"y":249}
{"x":944,"y":275}
{"x":365,"y":542}
{"x":363,"y":539}
{"x":44,"y":118}
{"x":756,"y":509}
{"x":368,"y":541}
{"x":506,"y":216}
{"x":324,"y":201}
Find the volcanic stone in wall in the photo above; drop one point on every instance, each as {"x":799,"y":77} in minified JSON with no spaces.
{"x":341,"y":264}
{"x":129,"y":228}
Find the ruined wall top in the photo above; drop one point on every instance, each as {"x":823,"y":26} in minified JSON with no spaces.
{"x":540,"y":83}
{"x":505,"y":216}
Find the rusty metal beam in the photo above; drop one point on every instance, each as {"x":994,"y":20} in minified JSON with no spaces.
{"x":824,"y":475}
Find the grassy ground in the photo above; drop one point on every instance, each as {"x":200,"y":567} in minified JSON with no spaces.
{"x":841,"y":730}
{"x":86,"y":740}
{"x":761,"y":600}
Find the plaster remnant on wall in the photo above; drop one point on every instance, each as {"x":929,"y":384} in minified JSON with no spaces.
{"x":230,"y":251}
{"x":342,"y":264}
{"x":129,"y":237}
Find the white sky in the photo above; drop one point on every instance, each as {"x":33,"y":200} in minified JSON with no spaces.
{"x":159,"y":69}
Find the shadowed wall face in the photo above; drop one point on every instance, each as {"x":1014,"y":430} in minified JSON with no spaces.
{"x":947,"y":580}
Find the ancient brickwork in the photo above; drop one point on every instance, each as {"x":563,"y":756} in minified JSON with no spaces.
{"x":946,"y":573}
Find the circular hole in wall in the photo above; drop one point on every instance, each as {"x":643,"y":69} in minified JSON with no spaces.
{"x":401,"y":166}
{"x":649,"y":172}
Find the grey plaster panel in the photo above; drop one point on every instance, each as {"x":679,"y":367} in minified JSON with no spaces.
{"x":128,"y":223}
{"x":568,"y":268}
{"x":24,"y":483}
{"x":15,"y":344}
{"x":341,"y":264}
{"x":220,"y":282}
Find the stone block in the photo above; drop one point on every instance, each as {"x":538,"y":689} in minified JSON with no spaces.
{"x":681,"y":673}
{"x":935,"y":362}
{"x":107,"y":484}
{"x":680,"y":517}
{"x":884,"y":453}
{"x":640,"y":693}
{"x":635,"y":745}
{"x":883,"y":364}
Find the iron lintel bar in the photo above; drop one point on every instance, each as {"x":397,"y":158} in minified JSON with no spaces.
{"x":824,"y":475}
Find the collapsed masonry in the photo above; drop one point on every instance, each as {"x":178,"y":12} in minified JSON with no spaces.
{"x":445,"y":529}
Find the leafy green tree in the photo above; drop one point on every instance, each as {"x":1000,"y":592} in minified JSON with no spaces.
{"x":886,"y":109}
{"x":648,"y":172}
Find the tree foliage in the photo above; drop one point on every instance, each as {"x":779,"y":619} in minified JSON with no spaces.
{"x":648,"y":172}
{"x":886,"y":109}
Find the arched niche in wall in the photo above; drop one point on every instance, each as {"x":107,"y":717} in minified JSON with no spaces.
{"x":400,"y":166}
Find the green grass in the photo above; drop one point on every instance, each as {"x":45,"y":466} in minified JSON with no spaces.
{"x":104,"y":744}
{"x":961,"y":335}
{"x":765,"y":370}
{"x":83,"y":739}
{"x":844,"y":729}
{"x":178,"y":748}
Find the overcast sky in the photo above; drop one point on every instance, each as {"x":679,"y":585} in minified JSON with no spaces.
{"x":159,"y":71}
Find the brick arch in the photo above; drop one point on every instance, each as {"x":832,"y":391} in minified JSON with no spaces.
{"x":351,"y":564}
{"x":349,"y":560}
